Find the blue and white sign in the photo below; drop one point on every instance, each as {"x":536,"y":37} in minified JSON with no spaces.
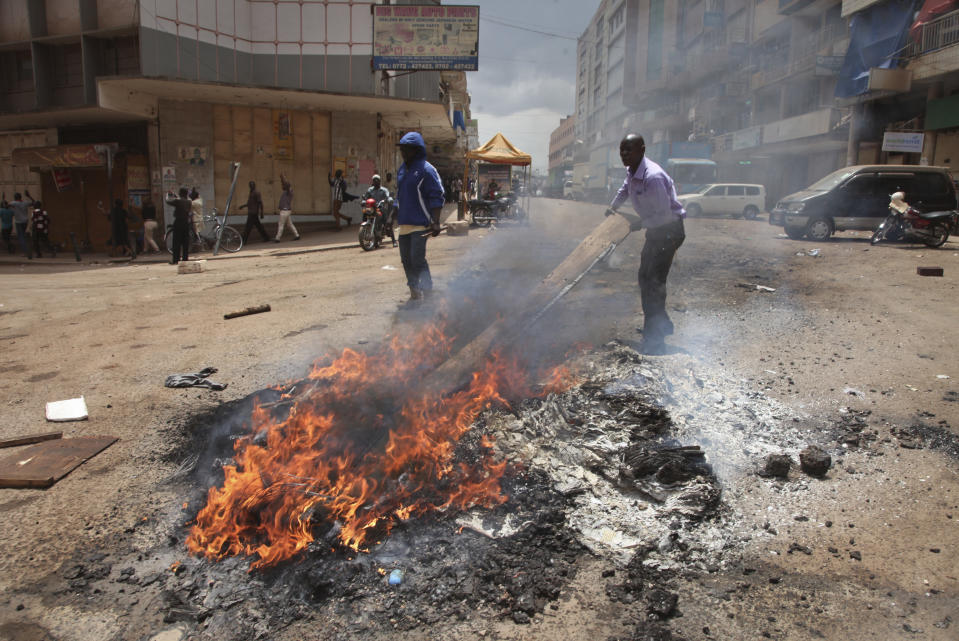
{"x":902,"y":141}
{"x":426,"y":37}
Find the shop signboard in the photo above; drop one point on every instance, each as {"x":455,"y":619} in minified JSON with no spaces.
{"x":426,"y":37}
{"x":746,"y":138}
{"x":902,"y":141}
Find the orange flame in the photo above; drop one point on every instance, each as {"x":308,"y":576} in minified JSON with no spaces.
{"x":361,"y":447}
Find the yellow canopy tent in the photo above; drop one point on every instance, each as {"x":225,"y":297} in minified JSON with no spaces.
{"x":498,"y":150}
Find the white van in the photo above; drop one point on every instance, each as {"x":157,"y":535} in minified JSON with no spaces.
{"x":732,"y":199}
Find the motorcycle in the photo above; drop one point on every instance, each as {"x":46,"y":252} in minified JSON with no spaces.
{"x":486,"y":211}
{"x":377,"y":223}
{"x":904,"y":221}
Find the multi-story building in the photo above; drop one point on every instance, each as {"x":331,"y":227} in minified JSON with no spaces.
{"x":561,"y":146}
{"x":789,"y":131}
{"x":913,"y":108}
{"x":758,"y":85}
{"x":104,"y":99}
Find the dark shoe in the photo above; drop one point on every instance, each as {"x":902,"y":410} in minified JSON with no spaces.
{"x":276,"y":240}
{"x":349,"y":221}
{"x":416,"y":294}
{"x":173,"y":262}
{"x":652,"y":347}
{"x":296,"y":238}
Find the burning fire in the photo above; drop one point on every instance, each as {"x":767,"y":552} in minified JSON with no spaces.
{"x":361,"y":448}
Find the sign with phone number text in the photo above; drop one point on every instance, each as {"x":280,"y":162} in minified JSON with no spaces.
{"x":426,"y":37}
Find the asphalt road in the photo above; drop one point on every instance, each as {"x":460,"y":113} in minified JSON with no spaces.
{"x":853,"y":327}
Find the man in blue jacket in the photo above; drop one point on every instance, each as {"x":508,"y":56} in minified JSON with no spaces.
{"x":419,"y":193}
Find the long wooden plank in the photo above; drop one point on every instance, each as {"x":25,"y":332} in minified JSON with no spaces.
{"x":460,"y":366}
{"x":29,"y":439}
{"x":45,"y":463}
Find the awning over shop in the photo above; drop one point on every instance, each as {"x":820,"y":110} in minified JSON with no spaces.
{"x":432,"y":119}
{"x":62,"y":156}
{"x":877,"y":36}
{"x":500,"y":151}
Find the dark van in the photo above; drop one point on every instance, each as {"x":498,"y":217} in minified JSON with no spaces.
{"x":857,"y":197}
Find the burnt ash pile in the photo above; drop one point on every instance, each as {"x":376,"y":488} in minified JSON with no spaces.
{"x":583,"y":464}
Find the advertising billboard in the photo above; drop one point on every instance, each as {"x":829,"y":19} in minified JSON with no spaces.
{"x":426,"y":37}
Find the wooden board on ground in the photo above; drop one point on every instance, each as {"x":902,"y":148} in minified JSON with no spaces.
{"x":508,"y":328}
{"x":45,"y":463}
{"x":29,"y":439}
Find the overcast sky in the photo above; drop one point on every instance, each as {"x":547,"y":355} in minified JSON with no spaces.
{"x":525,"y":81}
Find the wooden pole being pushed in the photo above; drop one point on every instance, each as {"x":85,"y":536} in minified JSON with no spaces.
{"x":257,"y":309}
{"x":600,"y":243}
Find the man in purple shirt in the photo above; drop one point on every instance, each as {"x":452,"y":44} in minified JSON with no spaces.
{"x":651,"y":192}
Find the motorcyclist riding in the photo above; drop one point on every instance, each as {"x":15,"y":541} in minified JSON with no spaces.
{"x":381,"y":194}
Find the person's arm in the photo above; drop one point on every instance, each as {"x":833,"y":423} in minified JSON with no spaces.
{"x":620,"y":196}
{"x":431,"y":189}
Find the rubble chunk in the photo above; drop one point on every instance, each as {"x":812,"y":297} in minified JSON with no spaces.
{"x":815,"y":461}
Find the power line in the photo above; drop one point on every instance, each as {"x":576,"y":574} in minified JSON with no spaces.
{"x":550,"y":34}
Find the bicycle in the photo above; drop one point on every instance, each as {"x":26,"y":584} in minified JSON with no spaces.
{"x":205,"y":238}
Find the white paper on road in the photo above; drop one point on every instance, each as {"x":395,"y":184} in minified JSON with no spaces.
{"x":73,"y":409}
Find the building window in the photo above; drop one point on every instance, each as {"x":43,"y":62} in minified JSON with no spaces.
{"x":616,"y":20}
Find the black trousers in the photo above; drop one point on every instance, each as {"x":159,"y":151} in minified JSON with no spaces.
{"x":7,"y":233}
{"x":413,"y":256}
{"x":181,"y":241}
{"x":253,"y":222}
{"x":657,"y":257}
{"x":41,"y":238}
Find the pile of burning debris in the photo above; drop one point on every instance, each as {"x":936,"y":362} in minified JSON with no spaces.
{"x":580,"y":465}
{"x":470,"y":507}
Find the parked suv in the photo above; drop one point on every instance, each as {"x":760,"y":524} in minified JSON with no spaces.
{"x":857,"y":197}
{"x":727,"y":198}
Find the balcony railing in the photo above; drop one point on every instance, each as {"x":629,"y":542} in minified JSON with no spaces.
{"x":938,"y":34}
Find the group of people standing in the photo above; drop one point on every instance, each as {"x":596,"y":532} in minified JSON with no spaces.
{"x":31,"y":223}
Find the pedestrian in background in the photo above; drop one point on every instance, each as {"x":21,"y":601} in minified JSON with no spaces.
{"x":420,"y":196}
{"x":149,"y":215}
{"x":286,"y":210}
{"x":182,"y":208}
{"x":21,"y":220}
{"x":338,"y":193}
{"x":6,"y":223}
{"x":457,"y":188}
{"x":41,"y":230}
{"x":196,"y":211}
{"x":652,"y":194}
{"x":118,"y":225}
{"x":254,"y":212}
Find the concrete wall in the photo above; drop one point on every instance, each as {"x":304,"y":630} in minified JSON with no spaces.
{"x":15,"y":179}
{"x":184,"y":126}
{"x":14,"y":21}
